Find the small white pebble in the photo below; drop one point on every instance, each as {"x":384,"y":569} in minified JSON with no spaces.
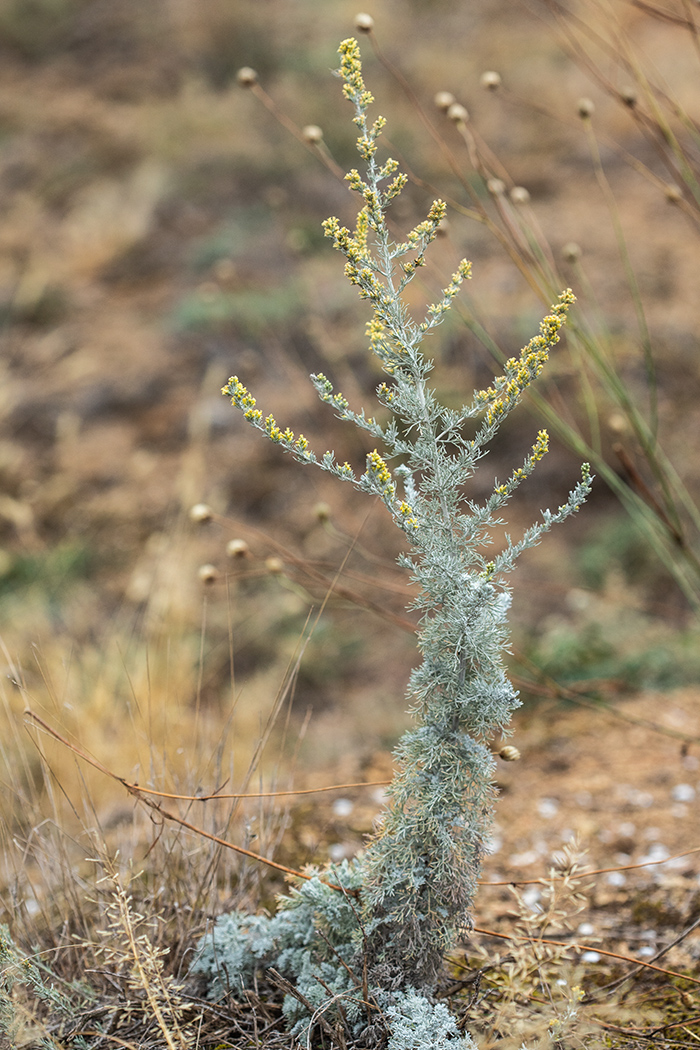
{"x":531,"y":896}
{"x":586,"y":929}
{"x":656,"y":853}
{"x":494,"y":844}
{"x":548,"y":808}
{"x":646,"y":952}
{"x":683,"y":793}
{"x":616,"y":878}
{"x":339,"y":851}
{"x":590,"y":957}
{"x":343,"y":807}
{"x":642,"y":799}
{"x":524,"y":860}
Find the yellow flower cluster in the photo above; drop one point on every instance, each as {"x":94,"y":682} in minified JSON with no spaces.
{"x":241,"y":398}
{"x":436,"y":310}
{"x":378,"y":470}
{"x":539,"y":451}
{"x":541,"y":446}
{"x":351,"y":72}
{"x":409,"y":519}
{"x":519,"y":373}
{"x":275,"y":434}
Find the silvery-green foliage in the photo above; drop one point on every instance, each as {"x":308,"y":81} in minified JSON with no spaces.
{"x":314,"y":927}
{"x":17,"y":968}
{"x":415,"y":1023}
{"x":315,"y":931}
{"x":421,"y":867}
{"x":232,"y":951}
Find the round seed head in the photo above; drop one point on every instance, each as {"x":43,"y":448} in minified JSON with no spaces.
{"x":673,"y":193}
{"x":458,"y":113}
{"x":585,"y":108}
{"x":208,"y":574}
{"x":246,"y":76}
{"x":237,"y":549}
{"x":364,"y":22}
{"x":496,"y":187}
{"x":201,"y":512}
{"x":225,"y":270}
{"x":628,"y":95}
{"x":519,"y":195}
{"x":490,"y":80}
{"x":312,"y":133}
{"x":571,"y":251}
{"x":322,"y":511}
{"x":444,"y":99}
{"x":509,"y":753}
{"x":617,"y":423}
{"x":274,"y":566}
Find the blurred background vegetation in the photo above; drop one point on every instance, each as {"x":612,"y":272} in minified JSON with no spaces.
{"x":160,"y":231}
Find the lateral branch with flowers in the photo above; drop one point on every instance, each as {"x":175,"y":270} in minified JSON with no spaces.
{"x":420,"y":870}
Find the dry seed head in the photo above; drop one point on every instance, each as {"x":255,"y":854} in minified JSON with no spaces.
{"x":618,"y":423}
{"x":237,"y":549}
{"x":585,"y":108}
{"x":225,"y":270}
{"x":363,"y":22}
{"x":490,"y":80}
{"x":444,"y":99}
{"x":496,"y":187}
{"x":312,"y":133}
{"x":201,"y":512}
{"x":509,"y":753}
{"x":274,"y":566}
{"x":458,"y":113}
{"x":571,"y":251}
{"x":673,"y":193}
{"x":322,"y":511}
{"x":629,"y":96}
{"x":519,"y":195}
{"x":246,"y":76}
{"x":208,"y":574}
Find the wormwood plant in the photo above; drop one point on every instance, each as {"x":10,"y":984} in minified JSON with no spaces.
{"x":417,"y":879}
